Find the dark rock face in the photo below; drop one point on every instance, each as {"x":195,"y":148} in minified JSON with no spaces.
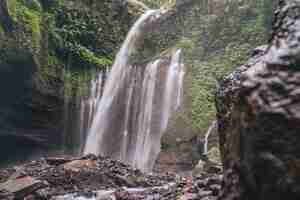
{"x":5,"y":19}
{"x":259,"y":114}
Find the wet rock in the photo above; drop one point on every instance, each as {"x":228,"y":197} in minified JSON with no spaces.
{"x":258,"y":117}
{"x":208,"y":198}
{"x":42,"y":193}
{"x":215,"y":189}
{"x":207,"y":167}
{"x":83,"y":176}
{"x":77,"y":165}
{"x":214,"y":180}
{"x":19,"y":172}
{"x":189,"y":196}
{"x":6,"y":195}
{"x":199,"y":168}
{"x":205,"y":193}
{"x":91,"y":177}
{"x":201,"y":183}
{"x":214,"y":155}
{"x":105,"y":195}
{"x":136,"y":7}
{"x":21,"y":187}
{"x":57,"y":161}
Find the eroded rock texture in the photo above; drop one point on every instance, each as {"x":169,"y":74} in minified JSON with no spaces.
{"x":259,"y":115}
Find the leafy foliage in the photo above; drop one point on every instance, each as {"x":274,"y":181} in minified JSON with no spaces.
{"x":28,"y":15}
{"x":68,"y":40}
{"x":216,"y":41}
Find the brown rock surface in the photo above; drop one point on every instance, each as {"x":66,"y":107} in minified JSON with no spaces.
{"x":21,"y":186}
{"x":259,"y":114}
{"x":101,"y":178}
{"x":77,"y":165}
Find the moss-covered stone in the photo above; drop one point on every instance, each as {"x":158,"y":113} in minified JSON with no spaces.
{"x":32,"y":20}
{"x":136,"y":7}
{"x":90,"y":58}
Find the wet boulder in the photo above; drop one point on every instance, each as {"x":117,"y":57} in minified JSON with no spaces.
{"x":258,"y":116}
{"x":20,"y":187}
{"x":77,"y":165}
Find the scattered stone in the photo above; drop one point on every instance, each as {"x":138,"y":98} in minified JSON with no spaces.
{"x":215,"y":189}
{"x":189,"y":196}
{"x":204,"y":193}
{"x":6,"y":195}
{"x":91,"y":177}
{"x":19,"y":173}
{"x":57,"y":161}
{"x":199,"y":168}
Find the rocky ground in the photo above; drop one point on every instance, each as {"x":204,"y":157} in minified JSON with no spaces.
{"x":92,"y":177}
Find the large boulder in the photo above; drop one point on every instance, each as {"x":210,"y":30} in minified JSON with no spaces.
{"x":259,"y":114}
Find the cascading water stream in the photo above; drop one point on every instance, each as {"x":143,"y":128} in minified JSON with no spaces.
{"x":89,"y":104}
{"x":173,"y":82}
{"x":145,"y":117}
{"x":113,"y":85}
{"x":136,"y":104}
{"x":208,"y":133}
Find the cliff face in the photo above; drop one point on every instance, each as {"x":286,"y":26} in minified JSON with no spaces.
{"x":49,"y":50}
{"x":216,"y":37}
{"x":258,"y":113}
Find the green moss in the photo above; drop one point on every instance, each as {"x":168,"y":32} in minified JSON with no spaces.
{"x":12,"y":8}
{"x":84,"y":39}
{"x":1,"y":30}
{"x":213,"y":47}
{"x":32,"y":20}
{"x":76,"y":80}
{"x":159,"y":3}
{"x":90,"y":58}
{"x":49,"y":70}
{"x":27,"y":14}
{"x":76,"y":83}
{"x":34,"y":5}
{"x":136,"y":7}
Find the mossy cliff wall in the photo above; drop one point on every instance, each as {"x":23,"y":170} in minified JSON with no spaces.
{"x":216,"y":36}
{"x":49,"y":50}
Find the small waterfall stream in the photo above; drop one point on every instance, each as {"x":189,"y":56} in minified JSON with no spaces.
{"x":89,"y":105}
{"x":128,"y":121}
{"x":210,"y":130}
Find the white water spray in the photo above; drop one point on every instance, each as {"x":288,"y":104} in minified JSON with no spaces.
{"x":113,"y":85}
{"x":137,"y":103}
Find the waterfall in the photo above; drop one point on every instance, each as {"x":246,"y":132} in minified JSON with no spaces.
{"x":174,"y":80}
{"x":89,"y":104}
{"x":136,"y":104}
{"x":143,"y":148}
{"x":210,"y":130}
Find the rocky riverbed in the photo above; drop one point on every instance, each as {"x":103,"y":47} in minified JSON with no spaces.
{"x":92,"y":177}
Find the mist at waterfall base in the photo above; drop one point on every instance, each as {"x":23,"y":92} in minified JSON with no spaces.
{"x":128,"y":118}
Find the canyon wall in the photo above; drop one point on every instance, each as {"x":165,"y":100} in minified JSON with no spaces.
{"x":258,"y":116}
